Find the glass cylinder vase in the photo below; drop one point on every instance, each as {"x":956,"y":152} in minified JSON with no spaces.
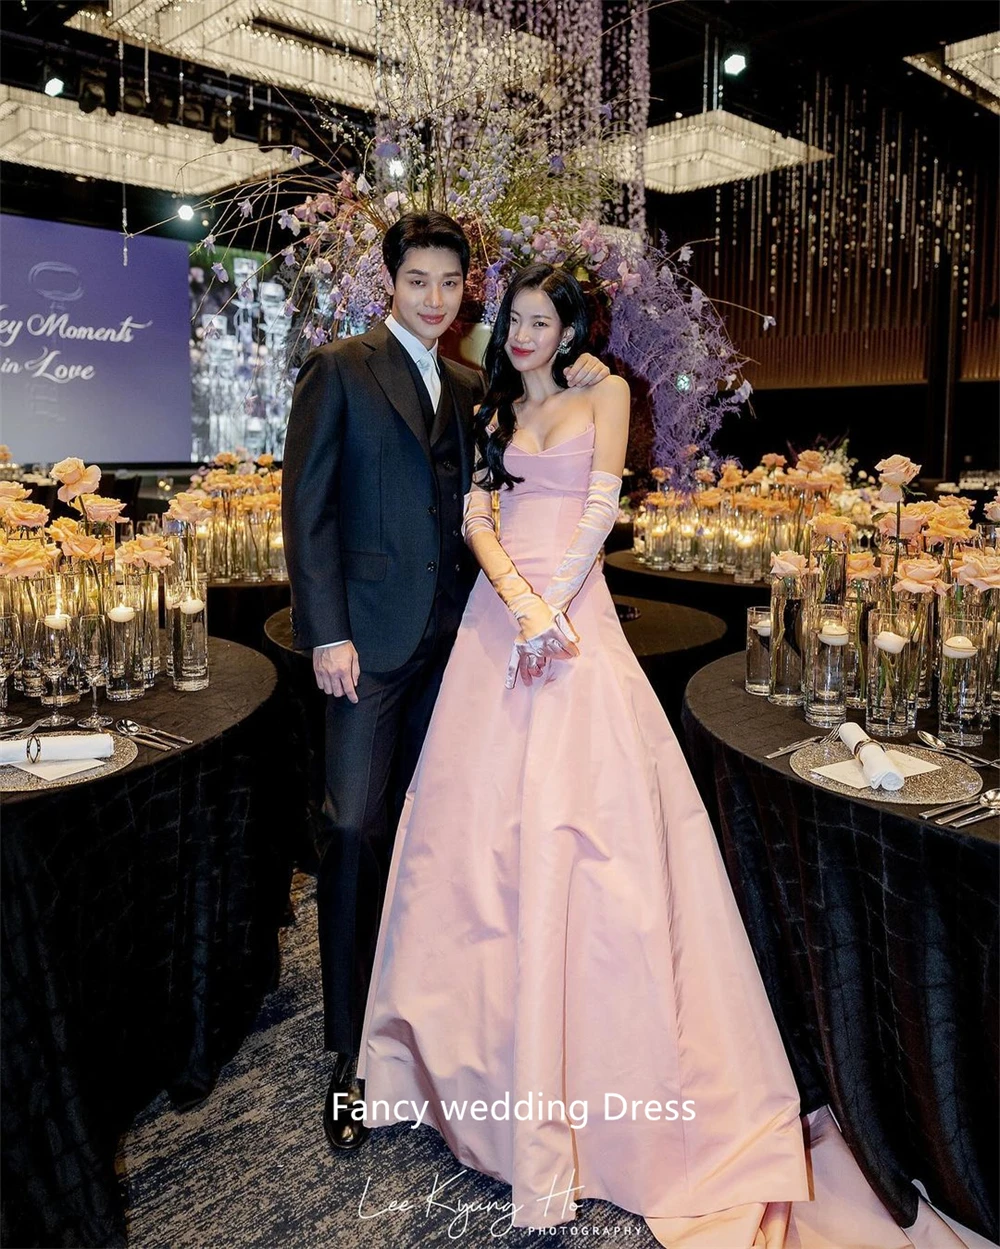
{"x":786,"y":642}
{"x":893,"y":672}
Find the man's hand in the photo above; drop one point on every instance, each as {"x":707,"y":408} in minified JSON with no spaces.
{"x":337,"y":670}
{"x":587,"y":370}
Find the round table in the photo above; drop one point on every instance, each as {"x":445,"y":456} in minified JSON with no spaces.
{"x":141,"y":912}
{"x":876,"y":936}
{"x":237,"y":610}
{"x":715,"y":592}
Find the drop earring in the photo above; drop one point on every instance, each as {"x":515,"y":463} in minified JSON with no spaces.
{"x":563,"y":348}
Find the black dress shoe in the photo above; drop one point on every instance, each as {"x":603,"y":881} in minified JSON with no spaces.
{"x":343,"y":1131}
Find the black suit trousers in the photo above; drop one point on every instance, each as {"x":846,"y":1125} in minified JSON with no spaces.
{"x":372,"y":748}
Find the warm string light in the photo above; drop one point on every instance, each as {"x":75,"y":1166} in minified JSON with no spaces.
{"x":852,"y":249}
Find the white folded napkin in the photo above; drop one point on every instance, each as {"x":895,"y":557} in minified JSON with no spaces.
{"x":873,"y":768}
{"x":58,"y":754}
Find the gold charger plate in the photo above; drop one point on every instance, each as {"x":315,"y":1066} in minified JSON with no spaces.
{"x":14,"y":781}
{"x":953,"y":780}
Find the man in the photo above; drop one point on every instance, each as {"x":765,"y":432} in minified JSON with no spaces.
{"x":378,"y":459}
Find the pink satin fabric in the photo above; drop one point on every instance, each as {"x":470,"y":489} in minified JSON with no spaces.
{"x":558,"y":920}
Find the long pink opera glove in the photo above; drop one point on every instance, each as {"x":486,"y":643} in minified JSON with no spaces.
{"x":599,"y":515}
{"x":545,"y":633}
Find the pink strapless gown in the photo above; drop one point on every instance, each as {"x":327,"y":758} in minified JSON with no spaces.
{"x":558,"y":921}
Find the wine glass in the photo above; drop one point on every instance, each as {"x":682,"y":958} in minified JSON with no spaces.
{"x":54,"y":651}
{"x":11,"y":654}
{"x":92,"y":660}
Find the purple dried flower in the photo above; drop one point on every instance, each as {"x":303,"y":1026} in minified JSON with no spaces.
{"x":208,"y":243}
{"x":220,"y":272}
{"x":245,"y":207}
{"x":288,"y":257}
{"x":557,"y":164}
{"x":288,"y":309}
{"x":387,"y":150}
{"x":296,"y":153}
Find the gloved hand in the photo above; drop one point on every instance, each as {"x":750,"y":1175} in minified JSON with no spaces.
{"x":530,"y":657}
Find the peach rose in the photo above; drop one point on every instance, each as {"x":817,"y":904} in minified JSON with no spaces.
{"x":12,"y":491}
{"x":755,"y":476}
{"x":148,"y":549}
{"x":190,"y":508}
{"x":4,"y":453}
{"x":828,"y":525}
{"x":226,"y":459}
{"x":787,"y":564}
{"x":979,"y":569}
{"x":731,"y":478}
{"x":24,"y":558}
{"x":923,"y":508}
{"x":909,"y":526}
{"x":265,"y":460}
{"x":98,"y":509}
{"x":21,"y":515}
{"x":861,"y":566}
{"x":773,"y":460}
{"x":810,"y":461}
{"x":816,"y":482}
{"x":992,"y":510}
{"x":948,"y":522}
{"x":655,"y":498}
{"x":897,"y":470}
{"x":658,"y":474}
{"x":920,"y":576}
{"x":76,"y":479}
{"x":705,"y":475}
{"x":63,"y":527}
{"x":708,"y":498}
{"x":691,"y":449}
{"x":85,"y":546}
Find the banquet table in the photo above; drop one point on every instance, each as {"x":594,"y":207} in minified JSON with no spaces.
{"x":139,"y":934}
{"x":876,"y":937}
{"x":670,"y":643}
{"x":714,"y":592}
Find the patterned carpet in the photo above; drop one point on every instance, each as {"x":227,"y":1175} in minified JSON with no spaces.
{"x":250,"y":1167}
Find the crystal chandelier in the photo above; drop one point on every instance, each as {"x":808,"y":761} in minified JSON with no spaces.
{"x":970,"y":67}
{"x":305,"y":48}
{"x":52,"y":133}
{"x":715,"y":147}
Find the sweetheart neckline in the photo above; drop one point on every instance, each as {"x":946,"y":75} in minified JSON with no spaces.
{"x":555,"y":446}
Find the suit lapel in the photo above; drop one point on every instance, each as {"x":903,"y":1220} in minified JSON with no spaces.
{"x":387,"y":364}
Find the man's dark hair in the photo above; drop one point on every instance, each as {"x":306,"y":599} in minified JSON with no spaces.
{"x":432,"y":229}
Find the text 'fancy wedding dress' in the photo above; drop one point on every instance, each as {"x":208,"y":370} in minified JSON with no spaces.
{"x":559,"y":928}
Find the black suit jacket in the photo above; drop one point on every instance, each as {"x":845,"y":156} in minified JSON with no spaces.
{"x":359,"y":497}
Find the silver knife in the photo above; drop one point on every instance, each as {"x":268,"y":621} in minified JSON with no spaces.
{"x":974,"y":819}
{"x":957,"y":815}
{"x":933,"y":812}
{"x":787,"y":750}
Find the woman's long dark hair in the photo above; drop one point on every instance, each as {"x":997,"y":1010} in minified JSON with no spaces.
{"x":504,"y":383}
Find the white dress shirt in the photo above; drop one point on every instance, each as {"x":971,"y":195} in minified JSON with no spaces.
{"x":426,"y":360}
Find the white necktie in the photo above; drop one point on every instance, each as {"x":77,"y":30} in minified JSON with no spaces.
{"x":432,"y":378}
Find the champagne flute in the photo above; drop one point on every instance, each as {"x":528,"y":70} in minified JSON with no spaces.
{"x":55,"y":651}
{"x":92,"y":659}
{"x":11,"y":654}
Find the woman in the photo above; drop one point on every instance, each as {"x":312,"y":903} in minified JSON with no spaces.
{"x":559,"y":940}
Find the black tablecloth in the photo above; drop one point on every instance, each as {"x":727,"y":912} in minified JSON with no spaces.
{"x":876,"y":935}
{"x":237,"y":610}
{"x":714,"y":592}
{"x":670,"y":643}
{"x":139,"y":934}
